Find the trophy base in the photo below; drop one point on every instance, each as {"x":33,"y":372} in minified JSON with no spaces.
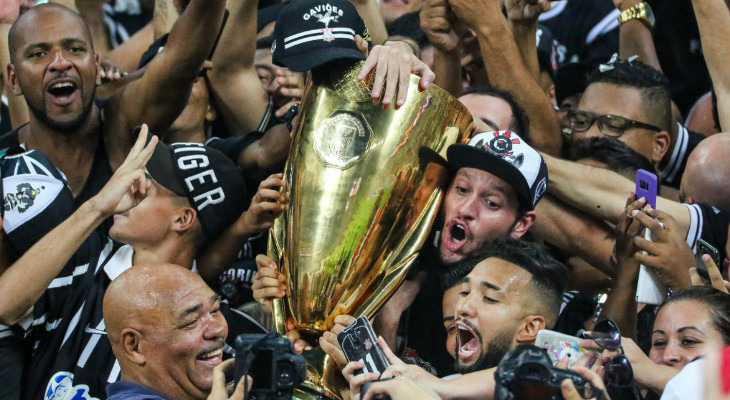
{"x":321,"y":378}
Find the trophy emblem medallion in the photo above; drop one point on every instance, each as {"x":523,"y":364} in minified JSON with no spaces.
{"x":342,"y":139}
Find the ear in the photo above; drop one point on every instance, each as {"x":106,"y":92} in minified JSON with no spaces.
{"x":13,"y":80}
{"x":662,"y":141}
{"x":98,"y":69}
{"x":523,"y":224}
{"x":529,"y":327}
{"x":211,"y":114}
{"x":184,"y":219}
{"x":131,"y":346}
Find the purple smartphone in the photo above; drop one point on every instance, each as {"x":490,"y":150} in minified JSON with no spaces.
{"x":646,"y":186}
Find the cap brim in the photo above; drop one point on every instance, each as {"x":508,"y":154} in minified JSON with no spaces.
{"x":309,"y":60}
{"x":465,"y":156}
{"x":160,"y":168}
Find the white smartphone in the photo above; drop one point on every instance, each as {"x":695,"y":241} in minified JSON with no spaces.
{"x":649,"y":289}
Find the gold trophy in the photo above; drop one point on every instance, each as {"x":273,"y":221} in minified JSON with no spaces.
{"x":363,"y":194}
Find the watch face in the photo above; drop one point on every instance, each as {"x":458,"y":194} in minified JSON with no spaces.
{"x":649,"y":15}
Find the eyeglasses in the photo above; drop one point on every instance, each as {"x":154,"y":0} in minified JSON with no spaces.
{"x":608,"y":124}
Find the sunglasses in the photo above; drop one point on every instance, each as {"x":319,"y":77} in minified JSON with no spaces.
{"x":608,"y":124}
{"x":619,"y":375}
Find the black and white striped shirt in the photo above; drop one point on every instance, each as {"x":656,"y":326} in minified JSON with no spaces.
{"x":71,"y":349}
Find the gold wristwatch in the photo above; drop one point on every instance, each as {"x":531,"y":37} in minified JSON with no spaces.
{"x":641,"y":11}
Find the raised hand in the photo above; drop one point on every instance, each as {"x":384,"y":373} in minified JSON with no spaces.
{"x":440,"y":25}
{"x":129,"y":183}
{"x":393,"y":68}
{"x":268,"y":283}
{"x":267,"y":204}
{"x":525,"y":10}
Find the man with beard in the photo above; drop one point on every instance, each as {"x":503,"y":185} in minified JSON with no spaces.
{"x":53,"y":64}
{"x":513,"y":290}
{"x":496,"y":181}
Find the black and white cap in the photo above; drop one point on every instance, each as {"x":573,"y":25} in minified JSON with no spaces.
{"x":311,"y":33}
{"x":212,"y":183}
{"x":505,"y":155}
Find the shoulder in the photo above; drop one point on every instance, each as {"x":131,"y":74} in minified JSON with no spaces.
{"x":125,"y":390}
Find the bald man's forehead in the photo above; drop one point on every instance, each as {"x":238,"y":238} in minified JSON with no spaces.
{"x":49,"y":23}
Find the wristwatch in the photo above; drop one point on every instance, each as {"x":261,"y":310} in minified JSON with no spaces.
{"x":641,"y":11}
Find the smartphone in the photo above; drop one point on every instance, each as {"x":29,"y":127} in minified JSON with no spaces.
{"x":649,"y":288}
{"x":558,"y":345}
{"x":706,"y":248}
{"x":646,"y":186}
{"x":359,"y":343}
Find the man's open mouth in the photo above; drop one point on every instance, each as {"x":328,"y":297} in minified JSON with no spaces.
{"x":468,"y":342}
{"x":62,"y":92}
{"x":212,"y":355}
{"x":455,"y":236}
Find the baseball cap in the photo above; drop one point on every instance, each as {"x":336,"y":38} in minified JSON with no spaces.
{"x":505,"y":155}
{"x":210,"y":181}
{"x":310,"y":33}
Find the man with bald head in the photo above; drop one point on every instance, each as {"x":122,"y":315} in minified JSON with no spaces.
{"x":706,"y":177}
{"x":166,"y":329}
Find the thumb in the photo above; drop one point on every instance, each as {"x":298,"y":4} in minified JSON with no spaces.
{"x":392,"y":358}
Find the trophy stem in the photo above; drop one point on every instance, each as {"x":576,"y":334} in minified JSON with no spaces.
{"x":321,"y":377}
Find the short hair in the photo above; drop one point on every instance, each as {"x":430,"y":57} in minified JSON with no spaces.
{"x":549,"y":277}
{"x":13,"y":34}
{"x":265,"y":42}
{"x":520,"y":123}
{"x":717,"y":302}
{"x":656,"y":97}
{"x":617,"y":155}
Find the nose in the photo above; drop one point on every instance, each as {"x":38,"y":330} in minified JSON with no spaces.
{"x":216,"y":327}
{"x":671,"y":355}
{"x":464,"y":307}
{"x":59,"y":62}
{"x":468,"y":207}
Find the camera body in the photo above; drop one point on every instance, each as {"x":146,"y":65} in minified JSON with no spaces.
{"x":269,"y":359}
{"x":527,"y":373}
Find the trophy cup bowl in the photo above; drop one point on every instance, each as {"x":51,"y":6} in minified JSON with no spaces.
{"x":363,"y":193}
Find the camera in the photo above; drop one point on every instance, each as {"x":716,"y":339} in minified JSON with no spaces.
{"x":527,"y":373}
{"x":269,"y":359}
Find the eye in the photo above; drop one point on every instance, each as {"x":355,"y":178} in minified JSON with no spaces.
{"x":77,"y":49}
{"x":492,"y":204}
{"x":659,"y":343}
{"x":461,"y":190}
{"x":689,"y":341}
{"x":190,"y":324}
{"x":489,"y":300}
{"x":37,"y":54}
{"x":463,"y":293}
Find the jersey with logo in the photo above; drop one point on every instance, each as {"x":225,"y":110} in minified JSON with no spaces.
{"x":710,"y":224}
{"x":72,"y":353}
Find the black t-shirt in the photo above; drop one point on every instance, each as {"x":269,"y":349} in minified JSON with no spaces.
{"x":586,"y":29}
{"x":687,"y":140}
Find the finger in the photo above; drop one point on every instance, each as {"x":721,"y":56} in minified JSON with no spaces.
{"x":427,"y":76}
{"x":380,"y":72}
{"x":650,"y":223}
{"x":391,"y":79}
{"x":695,"y":277}
{"x":591,"y":376}
{"x":370,"y":62}
{"x":563,"y":363}
{"x":344,"y":319}
{"x":714,"y":273}
{"x":361,"y":44}
{"x":266,"y":294}
{"x":404,"y":79}
{"x":243,"y":386}
{"x":219,"y":378}
{"x":349,"y":371}
{"x":646,"y":245}
{"x":670,"y":224}
{"x":269,"y":195}
{"x":267,"y":282}
{"x":263,"y":261}
{"x":392,"y":358}
{"x":567,"y":388}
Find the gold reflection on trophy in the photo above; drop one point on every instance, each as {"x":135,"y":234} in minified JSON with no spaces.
{"x":364,"y":189}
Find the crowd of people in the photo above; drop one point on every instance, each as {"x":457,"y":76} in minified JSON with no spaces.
{"x":142,"y":155}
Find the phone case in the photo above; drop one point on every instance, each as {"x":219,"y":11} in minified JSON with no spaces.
{"x":705,"y":248}
{"x":559,"y":345}
{"x":359,"y":343}
{"x":649,"y":289}
{"x":646,"y":186}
